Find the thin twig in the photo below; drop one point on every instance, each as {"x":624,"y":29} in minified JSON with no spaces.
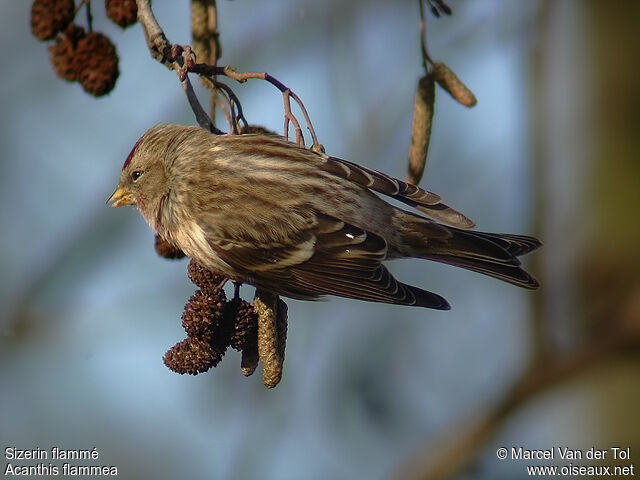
{"x":235,"y":113}
{"x":89,"y":16}
{"x":167,"y":54}
{"x":307,"y":119}
{"x":244,"y":76}
{"x":201,"y":116}
{"x":183,"y":75}
{"x":223,"y":108}
{"x":234,"y":104}
{"x":230,"y":114}
{"x":423,"y":39}
{"x":290,"y":116}
{"x":80,"y":4}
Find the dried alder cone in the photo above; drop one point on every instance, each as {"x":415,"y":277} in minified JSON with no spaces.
{"x":48,"y":17}
{"x":123,"y":13}
{"x":63,"y":53}
{"x":192,"y":355}
{"x":98,"y":64}
{"x":88,"y":58}
{"x":301,"y":224}
{"x":244,"y":337}
{"x":167,"y":250}
{"x":213,"y":324}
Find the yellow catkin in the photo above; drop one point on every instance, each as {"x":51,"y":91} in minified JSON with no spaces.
{"x":423,"y":107}
{"x":204,"y":34}
{"x":265,"y":305}
{"x":452,"y":84}
{"x":199,"y":31}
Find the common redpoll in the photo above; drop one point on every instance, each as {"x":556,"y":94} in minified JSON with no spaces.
{"x":301,"y":224}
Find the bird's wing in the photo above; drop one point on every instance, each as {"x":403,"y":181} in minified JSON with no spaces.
{"x":330,"y":257}
{"x":423,"y":200}
{"x":290,"y":155}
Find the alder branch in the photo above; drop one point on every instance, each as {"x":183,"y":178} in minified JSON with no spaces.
{"x":158,"y":44}
{"x":169,"y":54}
{"x":241,"y":77}
{"x":201,"y":116}
{"x":426,"y":59}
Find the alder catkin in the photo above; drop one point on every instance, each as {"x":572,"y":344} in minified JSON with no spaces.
{"x":452,"y":84}
{"x":265,"y":304}
{"x":423,"y":108}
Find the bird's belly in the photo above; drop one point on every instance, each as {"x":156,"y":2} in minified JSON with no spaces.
{"x":192,"y":241}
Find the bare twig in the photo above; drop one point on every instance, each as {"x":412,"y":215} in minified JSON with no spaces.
{"x":289,"y":116}
{"x":244,"y":76}
{"x":438,"y":7}
{"x":79,"y":6}
{"x":89,"y":16}
{"x":235,"y":107}
{"x":167,"y":54}
{"x":182,"y":71}
{"x":201,"y":116}
{"x":426,"y":59}
{"x":159,"y":46}
{"x":223,"y":108}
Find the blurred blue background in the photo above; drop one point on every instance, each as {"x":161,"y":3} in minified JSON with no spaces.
{"x":88,"y":309}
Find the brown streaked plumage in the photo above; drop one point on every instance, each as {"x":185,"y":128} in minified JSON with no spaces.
{"x":264,"y":211}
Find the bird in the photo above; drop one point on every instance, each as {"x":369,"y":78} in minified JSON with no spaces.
{"x":298,"y":223}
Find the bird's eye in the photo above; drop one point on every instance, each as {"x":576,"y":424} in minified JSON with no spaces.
{"x":136,"y":175}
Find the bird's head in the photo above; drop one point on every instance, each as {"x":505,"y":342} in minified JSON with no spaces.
{"x":144,"y":180}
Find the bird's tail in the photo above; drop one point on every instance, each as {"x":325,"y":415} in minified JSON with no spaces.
{"x":493,"y":254}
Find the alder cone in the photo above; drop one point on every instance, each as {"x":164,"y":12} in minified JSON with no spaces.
{"x":63,"y":53}
{"x":48,"y":17}
{"x":166,"y":249}
{"x":242,"y":317}
{"x":192,"y":355}
{"x":123,"y":13}
{"x":97,"y":62}
{"x":203,"y":312}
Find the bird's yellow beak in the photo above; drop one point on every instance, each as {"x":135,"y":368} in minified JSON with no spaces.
{"x":121,"y":197}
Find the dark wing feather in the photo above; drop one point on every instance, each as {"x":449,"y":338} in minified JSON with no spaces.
{"x":423,"y":200}
{"x":344,"y":260}
{"x":516,"y":245}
